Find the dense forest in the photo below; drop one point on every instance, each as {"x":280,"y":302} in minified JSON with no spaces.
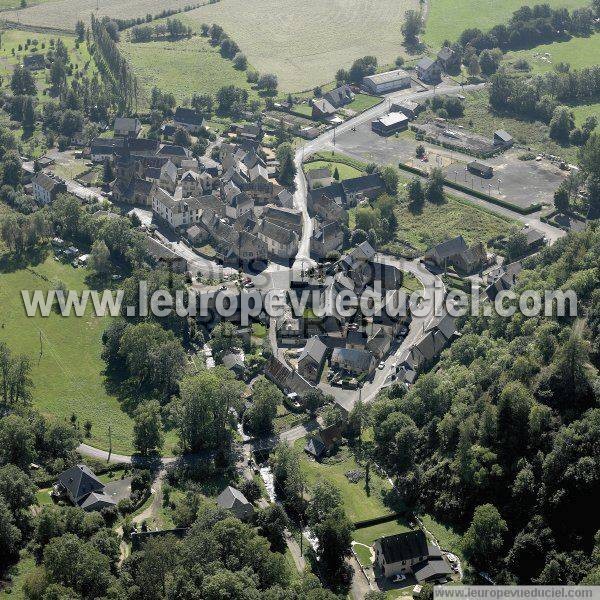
{"x":502,"y":436}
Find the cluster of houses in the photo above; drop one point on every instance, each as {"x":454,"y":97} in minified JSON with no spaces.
{"x":231,"y":202}
{"x":353,"y":346}
{"x":328,"y":202}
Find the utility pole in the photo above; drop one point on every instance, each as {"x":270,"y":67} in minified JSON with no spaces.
{"x":109,"y":444}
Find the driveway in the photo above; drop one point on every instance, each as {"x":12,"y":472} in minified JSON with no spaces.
{"x":119,"y":489}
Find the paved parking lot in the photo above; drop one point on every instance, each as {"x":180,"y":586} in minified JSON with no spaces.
{"x":522,"y":183}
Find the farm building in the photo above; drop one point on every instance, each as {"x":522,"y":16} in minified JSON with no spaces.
{"x":389,"y":124}
{"x":480,"y":169}
{"x":390,"y":81}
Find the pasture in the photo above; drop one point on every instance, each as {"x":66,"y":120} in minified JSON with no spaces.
{"x":586,"y":110}
{"x":447,"y":19}
{"x":182,"y":67}
{"x":68,"y":376}
{"x":305,"y":43}
{"x":64,"y":14}
{"x":579,"y":52}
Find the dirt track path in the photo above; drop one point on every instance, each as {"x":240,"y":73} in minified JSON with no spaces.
{"x":151,"y":512}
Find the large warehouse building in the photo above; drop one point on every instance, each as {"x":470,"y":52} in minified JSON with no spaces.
{"x":389,"y":81}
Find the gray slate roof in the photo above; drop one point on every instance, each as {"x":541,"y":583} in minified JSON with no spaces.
{"x":314,"y":349}
{"x":79,"y":481}
{"x":404,"y":546}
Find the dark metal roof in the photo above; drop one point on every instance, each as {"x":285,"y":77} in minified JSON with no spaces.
{"x":404,"y":546}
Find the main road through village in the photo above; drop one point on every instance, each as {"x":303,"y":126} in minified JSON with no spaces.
{"x":278,"y":276}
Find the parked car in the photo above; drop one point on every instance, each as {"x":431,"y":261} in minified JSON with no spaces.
{"x":399,"y":577}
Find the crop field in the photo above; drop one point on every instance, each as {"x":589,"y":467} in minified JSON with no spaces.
{"x":13,"y":4}
{"x":447,"y":19}
{"x":579,"y":52}
{"x":68,"y":375}
{"x":181,"y":67}
{"x":63,"y":14}
{"x":305,"y":43}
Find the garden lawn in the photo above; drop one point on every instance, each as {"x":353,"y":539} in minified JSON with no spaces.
{"x":363,"y":102}
{"x":363,"y":554}
{"x":344,"y":171}
{"x":435,"y":223}
{"x":367,"y":535}
{"x":358,"y":504}
{"x":183,"y":67}
{"x":13,"y":38}
{"x":447,"y":19}
{"x":68,"y":377}
{"x":579,"y":52}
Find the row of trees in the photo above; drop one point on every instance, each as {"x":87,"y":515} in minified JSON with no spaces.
{"x":112,"y":64}
{"x":323,"y":513}
{"x":173,"y":29}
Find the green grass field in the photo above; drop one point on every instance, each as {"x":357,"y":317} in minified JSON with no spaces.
{"x":586,"y":110}
{"x":435,"y":223}
{"x":363,"y":102}
{"x":367,"y":535}
{"x":345,"y":171}
{"x":68,"y":377}
{"x":305,"y":43}
{"x":359,"y":504}
{"x":13,"y":4}
{"x":578,"y":52}
{"x":183,"y":67}
{"x":447,"y":19}
{"x":13,"y":38}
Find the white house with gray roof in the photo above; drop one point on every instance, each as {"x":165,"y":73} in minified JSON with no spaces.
{"x":281,"y":243}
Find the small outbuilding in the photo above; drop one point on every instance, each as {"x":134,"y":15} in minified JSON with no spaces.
{"x":390,"y":124}
{"x":480,"y":169}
